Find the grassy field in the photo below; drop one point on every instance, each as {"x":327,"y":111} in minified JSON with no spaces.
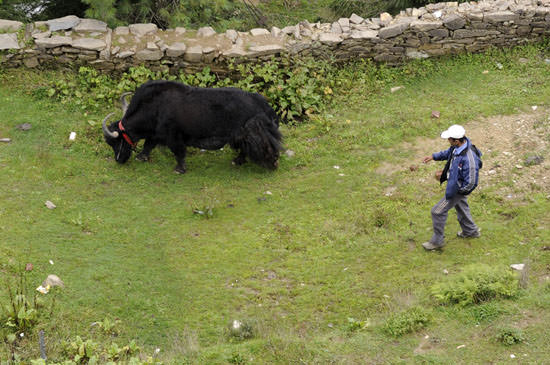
{"x":317,"y":257}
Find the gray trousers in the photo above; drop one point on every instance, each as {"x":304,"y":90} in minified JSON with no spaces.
{"x":439,"y":217}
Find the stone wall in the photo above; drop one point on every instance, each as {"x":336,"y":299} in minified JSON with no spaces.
{"x":434,"y":30}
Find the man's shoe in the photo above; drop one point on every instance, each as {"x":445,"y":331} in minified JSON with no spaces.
{"x":474,"y":235}
{"x":432,"y":246}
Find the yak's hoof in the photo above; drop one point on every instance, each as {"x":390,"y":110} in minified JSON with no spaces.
{"x":143,"y":158}
{"x":179,"y":170}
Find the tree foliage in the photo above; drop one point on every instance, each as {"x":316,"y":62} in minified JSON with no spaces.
{"x":164,"y":13}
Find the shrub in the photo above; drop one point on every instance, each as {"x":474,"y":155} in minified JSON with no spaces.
{"x":476,"y":284}
{"x":24,"y":309}
{"x":510,"y":336}
{"x":408,"y":321}
{"x":294,"y":88}
{"x":238,"y":331}
{"x":356,"y":325}
{"x":486,"y":312}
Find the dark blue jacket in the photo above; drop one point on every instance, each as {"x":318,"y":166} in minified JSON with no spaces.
{"x":463,"y":170}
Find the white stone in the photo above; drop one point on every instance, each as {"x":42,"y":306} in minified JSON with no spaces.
{"x":42,"y":35}
{"x":151,"y":46}
{"x":205,"y":32}
{"x":50,"y":205}
{"x":9,"y":41}
{"x":193,"y":54}
{"x":53,"y":280}
{"x":125,"y":54}
{"x":122,"y":31}
{"x":356,"y":19}
{"x":232,"y":35}
{"x":344,"y":23}
{"x":259,"y":31}
{"x":91,"y":25}
{"x":55,"y":41}
{"x":276,"y":32}
{"x":90,"y":44}
{"x":266,"y":50}
{"x":385,"y":18}
{"x":364,"y":34}
{"x":336,"y":28}
{"x":417,"y":54}
{"x":289,"y":29}
{"x":235,"y":52}
{"x":330,"y":38}
{"x":149,"y":55}
{"x":140,"y":30}
{"x":64,"y":23}
{"x":424,"y":26}
{"x":176,"y":49}
{"x":9,"y":25}
{"x":518,"y":267}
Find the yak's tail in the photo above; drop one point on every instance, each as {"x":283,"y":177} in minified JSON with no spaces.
{"x":261,"y":141}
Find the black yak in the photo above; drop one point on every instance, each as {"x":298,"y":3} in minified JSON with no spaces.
{"x":177,"y":116}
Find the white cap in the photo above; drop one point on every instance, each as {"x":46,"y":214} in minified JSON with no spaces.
{"x":455,"y":131}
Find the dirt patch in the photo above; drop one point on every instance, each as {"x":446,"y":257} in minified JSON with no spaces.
{"x":516,"y":153}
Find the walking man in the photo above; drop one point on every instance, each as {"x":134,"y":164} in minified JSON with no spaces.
{"x":461,"y":173}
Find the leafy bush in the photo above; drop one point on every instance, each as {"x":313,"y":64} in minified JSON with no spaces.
{"x":238,"y":331}
{"x":372,"y":8}
{"x":510,"y":336}
{"x":408,"y":321}
{"x":356,"y":325}
{"x":295,"y":89}
{"x":486,"y":312}
{"x":476,"y":284}
{"x":23,"y":310}
{"x":89,"y":352}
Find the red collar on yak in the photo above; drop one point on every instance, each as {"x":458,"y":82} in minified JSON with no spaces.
{"x":124,"y":135}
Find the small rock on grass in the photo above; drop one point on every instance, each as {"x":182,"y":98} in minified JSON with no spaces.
{"x":518,"y":267}
{"x":5,"y":140}
{"x":24,"y":126}
{"x":533,"y":160}
{"x":50,"y":205}
{"x":436,"y":114}
{"x":53,"y":280}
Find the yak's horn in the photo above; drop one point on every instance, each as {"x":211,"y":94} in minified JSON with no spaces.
{"x":106,"y":130}
{"x":124,"y":102}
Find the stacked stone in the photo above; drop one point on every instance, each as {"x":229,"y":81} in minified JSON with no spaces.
{"x":434,"y":30}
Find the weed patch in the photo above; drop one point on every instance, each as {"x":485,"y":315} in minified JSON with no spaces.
{"x":476,"y":284}
{"x":405,"y":322}
{"x":510,"y":336}
{"x":486,"y":312}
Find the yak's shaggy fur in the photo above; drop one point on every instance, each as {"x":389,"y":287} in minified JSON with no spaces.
{"x":176,"y":115}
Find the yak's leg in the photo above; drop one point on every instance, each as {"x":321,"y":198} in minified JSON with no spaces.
{"x":240,"y":159}
{"x":179,"y":152}
{"x":147,"y":148}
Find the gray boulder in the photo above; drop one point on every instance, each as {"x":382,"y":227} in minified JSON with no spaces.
{"x":67,"y":22}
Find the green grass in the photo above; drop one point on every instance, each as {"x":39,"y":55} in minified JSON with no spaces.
{"x":296,"y":263}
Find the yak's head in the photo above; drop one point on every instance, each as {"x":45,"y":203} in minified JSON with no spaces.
{"x":114,"y":136}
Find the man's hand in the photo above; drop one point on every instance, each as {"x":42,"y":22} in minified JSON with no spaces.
{"x":427,"y":159}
